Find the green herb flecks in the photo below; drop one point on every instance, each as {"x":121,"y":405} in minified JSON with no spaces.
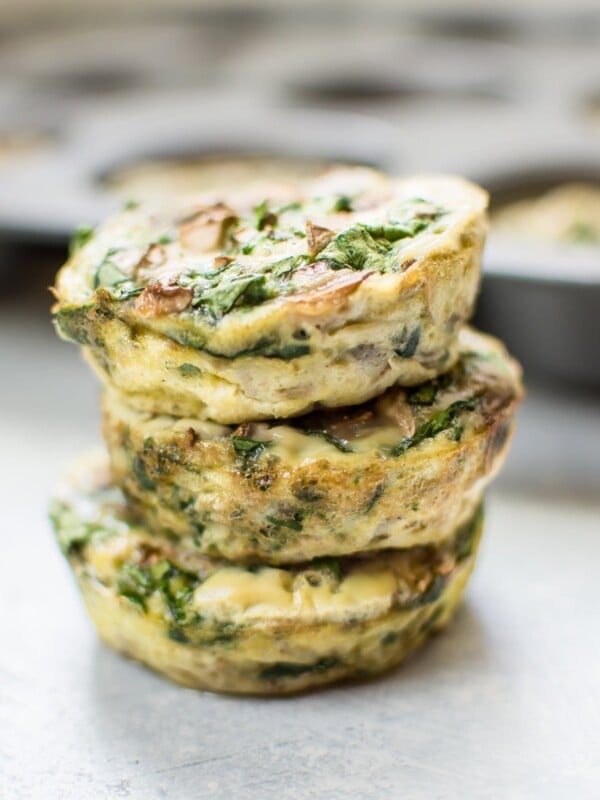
{"x":356,"y":249}
{"x":141,"y":473}
{"x":287,"y":352}
{"x":83,"y":234}
{"x":329,"y":564}
{"x":583,"y":233}
{"x":292,"y":523}
{"x":286,"y":669}
{"x":424,"y":395}
{"x":341,"y":444}
{"x":375,"y":497}
{"x":406,"y":344}
{"x":370,"y":247}
{"x":189,"y":370}
{"x":175,"y":586}
{"x":295,"y":205}
{"x":432,"y":593}
{"x":72,"y":532}
{"x":287,"y":266}
{"x":427,"y":393}
{"x":247,"y":447}
{"x":440,"y":422}
{"x":264,"y":217}
{"x":249,"y":290}
{"x":248,"y":453}
{"x":467,"y":535}
{"x":406,"y":228}
{"x":110,"y":276}
{"x":343,"y":203}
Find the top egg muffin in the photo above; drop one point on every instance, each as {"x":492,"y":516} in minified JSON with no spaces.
{"x":268,"y":301}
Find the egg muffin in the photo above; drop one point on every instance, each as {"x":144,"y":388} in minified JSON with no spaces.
{"x":401,"y":470}
{"x":212,"y":625}
{"x":238,"y":306}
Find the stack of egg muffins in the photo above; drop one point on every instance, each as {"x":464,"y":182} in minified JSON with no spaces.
{"x":300,"y":427}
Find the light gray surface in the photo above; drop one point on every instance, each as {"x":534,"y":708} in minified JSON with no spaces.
{"x":505,"y":704}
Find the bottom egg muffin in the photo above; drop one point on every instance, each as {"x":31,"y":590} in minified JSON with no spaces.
{"x":210,"y":624}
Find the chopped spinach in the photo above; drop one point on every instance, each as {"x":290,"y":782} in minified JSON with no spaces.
{"x":356,"y":249}
{"x":377,"y":495}
{"x":424,"y":395}
{"x":442,"y":421}
{"x":343,"y":203}
{"x":432,"y":592}
{"x":141,"y":473}
{"x":340,"y":444}
{"x":247,"y":447}
{"x":177,"y":635}
{"x":583,"y":233}
{"x":294,"y":522}
{"x":293,"y":206}
{"x":264,"y":217}
{"x":189,"y":370}
{"x":406,"y":345}
{"x":72,"y":533}
{"x":83,"y":234}
{"x":175,"y":586}
{"x":220,"y":298}
{"x":287,"y":266}
{"x":73,"y":323}
{"x":288,"y":669}
{"x":111,"y":278}
{"x":329,"y":563}
{"x":287,"y":352}
{"x":467,"y":534}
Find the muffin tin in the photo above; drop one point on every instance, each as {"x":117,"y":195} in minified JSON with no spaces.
{"x":504,"y":96}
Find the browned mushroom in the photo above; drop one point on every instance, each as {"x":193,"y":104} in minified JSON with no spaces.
{"x":206,"y":227}
{"x":158,"y":300}
{"x":317,"y":237}
{"x":393,"y":406}
{"x":330,"y":296}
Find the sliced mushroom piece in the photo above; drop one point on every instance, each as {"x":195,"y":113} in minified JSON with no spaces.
{"x":155,"y":256}
{"x":330,"y":296}
{"x":393,"y":406}
{"x":205,"y":229}
{"x":317,"y":237}
{"x":158,"y":300}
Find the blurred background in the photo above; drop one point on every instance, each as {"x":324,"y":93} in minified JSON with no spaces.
{"x":101,"y":102}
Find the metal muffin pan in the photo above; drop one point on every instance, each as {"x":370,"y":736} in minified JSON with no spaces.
{"x":543,"y":300}
{"x":514,"y":22}
{"x":328,"y":67}
{"x":498,"y":103}
{"x":88,"y":60}
{"x":49,"y":194}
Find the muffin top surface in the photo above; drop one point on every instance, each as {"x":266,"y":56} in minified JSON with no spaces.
{"x":200,"y":259}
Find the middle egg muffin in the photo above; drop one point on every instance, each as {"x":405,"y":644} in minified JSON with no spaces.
{"x":405,"y":469}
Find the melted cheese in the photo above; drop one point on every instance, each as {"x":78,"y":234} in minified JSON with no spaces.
{"x":234,"y":590}
{"x":275,"y":593}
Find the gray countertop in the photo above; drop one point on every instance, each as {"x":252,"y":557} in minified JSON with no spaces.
{"x":505,"y":704}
